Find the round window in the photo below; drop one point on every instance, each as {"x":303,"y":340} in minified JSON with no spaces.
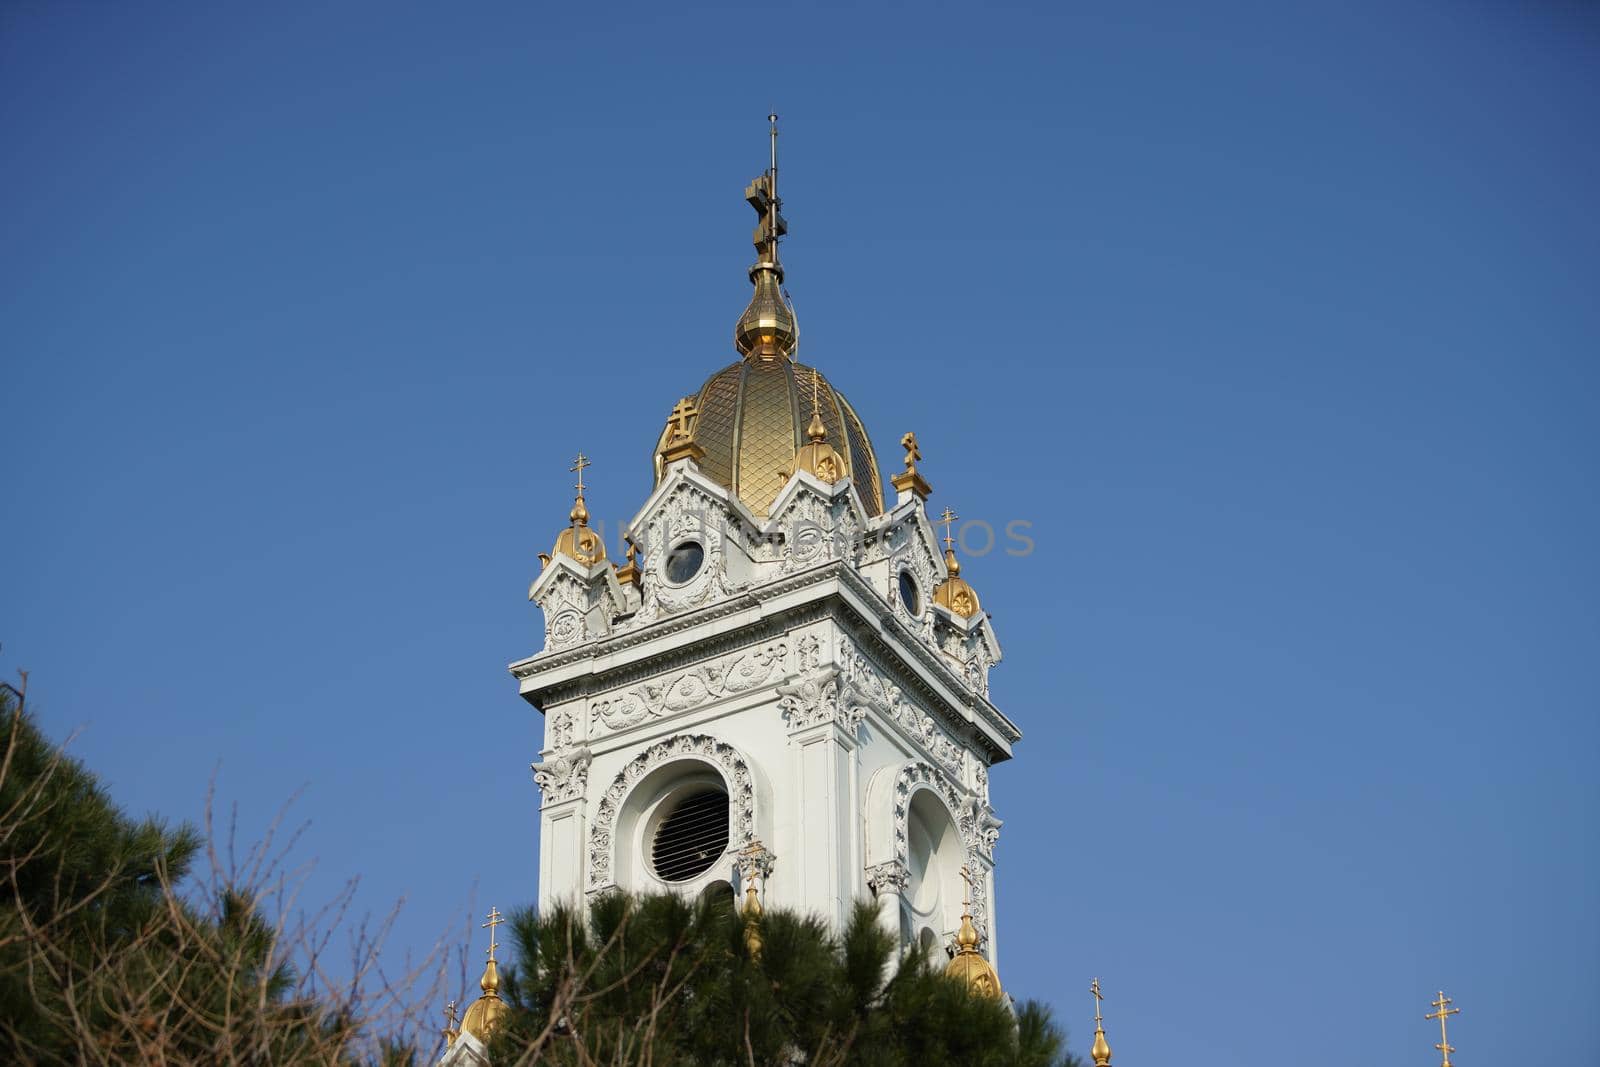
{"x":692,"y":836}
{"x":684,"y":562}
{"x":909,"y":595}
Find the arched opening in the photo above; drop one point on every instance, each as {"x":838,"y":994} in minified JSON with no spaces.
{"x":674,"y":829}
{"x":718,"y":894}
{"x":934,"y":857}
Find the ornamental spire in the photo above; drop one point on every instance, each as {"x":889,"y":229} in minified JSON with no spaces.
{"x":767,"y":329}
{"x":1102,"y":1048}
{"x":968,"y":966}
{"x":1442,"y":1011}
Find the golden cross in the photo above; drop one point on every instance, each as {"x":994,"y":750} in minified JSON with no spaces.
{"x":913,"y":453}
{"x":495,"y":919}
{"x":966,"y":877}
{"x":450,"y":1015}
{"x":1094,"y":987}
{"x":948,"y":518}
{"x":1443,"y":1011}
{"x":685,"y":410}
{"x":580,"y":465}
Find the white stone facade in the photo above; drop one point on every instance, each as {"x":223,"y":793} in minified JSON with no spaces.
{"x":852,"y":732}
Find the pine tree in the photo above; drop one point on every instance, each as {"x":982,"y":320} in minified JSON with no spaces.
{"x":667,"y":981}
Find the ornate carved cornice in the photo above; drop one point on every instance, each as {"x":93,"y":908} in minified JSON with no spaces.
{"x":849,"y":604}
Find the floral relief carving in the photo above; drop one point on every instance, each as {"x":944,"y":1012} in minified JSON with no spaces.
{"x":888,"y":698}
{"x":819,"y":699}
{"x":561,"y":730}
{"x":890,"y":877}
{"x":690,"y":689}
{"x":735,"y":773}
{"x":809,"y":649}
{"x":565,"y":629}
{"x":564,"y":777}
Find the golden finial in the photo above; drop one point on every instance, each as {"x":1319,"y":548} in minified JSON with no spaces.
{"x":487,"y":1012}
{"x":969,"y":965}
{"x":913,"y":453}
{"x":450,"y":1032}
{"x":577,"y":541}
{"x":580,"y":510}
{"x":629,"y":572}
{"x":908,"y":480}
{"x":816,"y":431}
{"x":1102,"y":1049}
{"x":767,"y":328}
{"x":954,"y":593}
{"x":682,"y":412}
{"x":495,"y":919}
{"x":1442,"y":1011}
{"x":818,"y":457}
{"x":751,"y":911}
{"x":680,"y":442}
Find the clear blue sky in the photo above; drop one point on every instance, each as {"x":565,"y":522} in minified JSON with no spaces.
{"x":1277,"y":322}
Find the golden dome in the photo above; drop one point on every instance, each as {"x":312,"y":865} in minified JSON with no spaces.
{"x":954,"y":593}
{"x":751,"y":421}
{"x":969,"y":968}
{"x":748,"y":431}
{"x":489,"y":1010}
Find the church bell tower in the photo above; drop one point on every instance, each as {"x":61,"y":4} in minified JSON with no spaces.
{"x":784,"y":688}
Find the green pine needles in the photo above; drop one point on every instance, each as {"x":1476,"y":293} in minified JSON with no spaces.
{"x":669,"y":982}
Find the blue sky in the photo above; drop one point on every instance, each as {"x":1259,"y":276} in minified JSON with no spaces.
{"x":1276,"y":322}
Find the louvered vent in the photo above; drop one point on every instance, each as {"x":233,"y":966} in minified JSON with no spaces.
{"x":690,"y":839}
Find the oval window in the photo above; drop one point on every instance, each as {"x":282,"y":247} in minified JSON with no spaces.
{"x":909,"y":596}
{"x":684,"y":562}
{"x":692,"y":837}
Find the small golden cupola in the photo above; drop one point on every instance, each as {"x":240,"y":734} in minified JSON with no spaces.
{"x":577,"y":541}
{"x":954,"y":593}
{"x":818,"y":457}
{"x":488,"y":1011}
{"x":1101,"y":1050}
{"x":968,"y":966}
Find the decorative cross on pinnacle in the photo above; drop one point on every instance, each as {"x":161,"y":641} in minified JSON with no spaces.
{"x":1094,"y":988}
{"x":682,"y":412}
{"x":579,"y":465}
{"x":495,"y":919}
{"x":913,"y":453}
{"x":1442,"y":1011}
{"x":948,"y":518}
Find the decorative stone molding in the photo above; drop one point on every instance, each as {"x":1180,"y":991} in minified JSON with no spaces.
{"x":729,"y":675}
{"x":974,"y":822}
{"x":809,"y":649}
{"x":988,"y":834}
{"x":817,"y":700}
{"x":876,"y":690}
{"x":564,"y":777}
{"x":735,"y":772}
{"x":890,"y":877}
{"x":561,"y":730}
{"x":816,"y":529}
